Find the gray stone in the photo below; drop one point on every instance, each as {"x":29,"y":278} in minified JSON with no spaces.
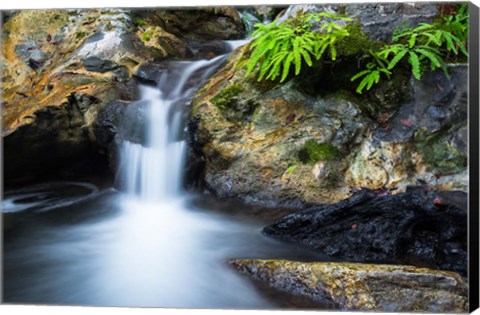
{"x":96,"y":64}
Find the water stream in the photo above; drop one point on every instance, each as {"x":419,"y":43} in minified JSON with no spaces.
{"x":152,"y":245}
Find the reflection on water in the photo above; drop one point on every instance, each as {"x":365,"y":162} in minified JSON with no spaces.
{"x":117,"y":250}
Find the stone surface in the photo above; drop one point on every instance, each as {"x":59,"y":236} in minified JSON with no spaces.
{"x":417,"y":227}
{"x":363,"y":287}
{"x":252,"y":134}
{"x":78,"y":66}
{"x":197,"y":24}
{"x":378,"y":20}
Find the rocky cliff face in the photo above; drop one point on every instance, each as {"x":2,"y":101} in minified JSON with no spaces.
{"x":313,"y":139}
{"x":63,"y":69}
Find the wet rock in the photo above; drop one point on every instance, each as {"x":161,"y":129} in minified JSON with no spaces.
{"x":149,"y":73}
{"x":96,"y":64}
{"x":378,"y":20}
{"x":208,"y":50}
{"x":199,"y":24}
{"x":87,"y":58}
{"x":435,"y":103}
{"x":362,"y":287}
{"x":416,"y":227}
{"x":251,"y":136}
{"x":56,"y":135}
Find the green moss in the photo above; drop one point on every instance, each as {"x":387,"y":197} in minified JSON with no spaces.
{"x":110,"y":12}
{"x":147,"y":35}
{"x":357,"y":43}
{"x":80,"y":35}
{"x":313,"y":152}
{"x":439,"y":156}
{"x":224,"y":98}
{"x":139,"y":22}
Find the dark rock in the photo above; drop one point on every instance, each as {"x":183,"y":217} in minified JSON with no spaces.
{"x":208,"y":50}
{"x":83,"y":101}
{"x":106,"y":126}
{"x":215,"y":23}
{"x":435,"y":103}
{"x":131,"y":125}
{"x":378,"y":20}
{"x":57,"y":135}
{"x":411,"y":227}
{"x":150,"y":73}
{"x":96,"y":64}
{"x":121,"y":74}
{"x":362,"y":287}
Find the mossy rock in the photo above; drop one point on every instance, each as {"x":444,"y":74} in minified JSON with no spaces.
{"x":234,"y":108}
{"x":362,"y":287}
{"x":357,"y":43}
{"x":438,"y":154}
{"x":313,"y":152}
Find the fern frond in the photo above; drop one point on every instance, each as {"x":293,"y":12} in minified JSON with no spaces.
{"x":360,"y":74}
{"x":397,"y":58}
{"x":415,"y":63}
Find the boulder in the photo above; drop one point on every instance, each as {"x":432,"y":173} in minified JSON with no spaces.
{"x":201,"y":24}
{"x":363,"y":287}
{"x":312,"y":139}
{"x":268,"y":142}
{"x":65,"y":74}
{"x":378,"y":20}
{"x":416,"y":227}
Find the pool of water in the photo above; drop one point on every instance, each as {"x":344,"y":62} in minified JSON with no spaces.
{"x":80,"y":245}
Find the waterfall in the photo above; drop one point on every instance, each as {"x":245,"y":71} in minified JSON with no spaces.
{"x":153,"y":170}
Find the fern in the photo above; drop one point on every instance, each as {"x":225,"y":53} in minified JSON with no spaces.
{"x":372,"y":74}
{"x":424,"y":47}
{"x":277,"y":48}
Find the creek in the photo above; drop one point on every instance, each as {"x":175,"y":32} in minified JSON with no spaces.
{"x":149,"y":243}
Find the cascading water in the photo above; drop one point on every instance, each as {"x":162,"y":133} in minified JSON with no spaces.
{"x":153,"y":171}
{"x":151,"y":245}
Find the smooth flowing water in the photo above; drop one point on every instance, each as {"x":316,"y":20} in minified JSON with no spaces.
{"x":152,"y":245}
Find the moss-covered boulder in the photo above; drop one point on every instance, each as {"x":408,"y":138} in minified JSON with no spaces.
{"x":363,"y":287}
{"x":264,"y":141}
{"x":312,"y":139}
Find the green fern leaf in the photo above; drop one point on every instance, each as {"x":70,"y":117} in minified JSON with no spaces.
{"x":360,"y":74}
{"x":306,"y":57}
{"x":434,"y":59}
{"x":296,"y":55}
{"x":333,"y":52}
{"x":371,"y":79}
{"x":397,"y":58}
{"x":362,"y":85}
{"x":412,"y":40}
{"x":286,"y":67}
{"x":415,"y":63}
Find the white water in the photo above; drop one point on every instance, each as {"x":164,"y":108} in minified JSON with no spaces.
{"x":151,"y":246}
{"x":159,"y":242}
{"x":153,"y":171}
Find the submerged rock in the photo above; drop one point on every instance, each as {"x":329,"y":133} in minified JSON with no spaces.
{"x":416,"y":227}
{"x":363,"y":287}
